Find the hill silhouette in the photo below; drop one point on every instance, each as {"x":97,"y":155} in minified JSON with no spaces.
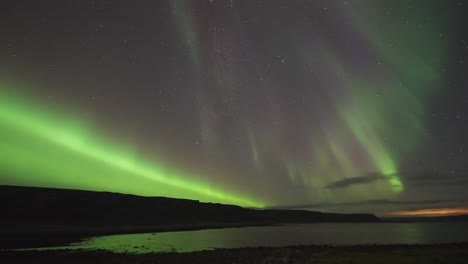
{"x":32,"y":205}
{"x":39,"y":217}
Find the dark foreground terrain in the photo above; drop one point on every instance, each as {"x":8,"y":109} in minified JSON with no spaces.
{"x":424,"y":254}
{"x":39,"y":217}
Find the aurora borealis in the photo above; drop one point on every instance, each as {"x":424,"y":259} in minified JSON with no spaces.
{"x":30,"y":138}
{"x":349,"y":106}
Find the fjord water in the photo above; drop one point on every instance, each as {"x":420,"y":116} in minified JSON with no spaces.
{"x":284,"y":235}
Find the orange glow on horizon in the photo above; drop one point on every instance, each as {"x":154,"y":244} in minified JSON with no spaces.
{"x":430,"y":212}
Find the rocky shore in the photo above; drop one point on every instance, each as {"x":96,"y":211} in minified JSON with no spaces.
{"x":444,"y":253}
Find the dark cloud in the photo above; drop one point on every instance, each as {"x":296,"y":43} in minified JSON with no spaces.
{"x":412,"y":180}
{"x":355,"y":181}
{"x":418,"y":179}
{"x":367,"y":203}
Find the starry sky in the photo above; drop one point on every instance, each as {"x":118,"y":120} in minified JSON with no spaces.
{"x":336,"y":106}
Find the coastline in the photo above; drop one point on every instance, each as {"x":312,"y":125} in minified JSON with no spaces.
{"x":32,"y":236}
{"x":24,"y":237}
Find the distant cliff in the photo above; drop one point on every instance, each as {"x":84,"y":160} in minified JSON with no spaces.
{"x":30,"y":205}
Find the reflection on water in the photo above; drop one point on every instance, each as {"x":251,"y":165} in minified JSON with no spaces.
{"x":334,"y":234}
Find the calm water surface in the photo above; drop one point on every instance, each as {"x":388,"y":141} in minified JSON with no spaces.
{"x":310,"y":234}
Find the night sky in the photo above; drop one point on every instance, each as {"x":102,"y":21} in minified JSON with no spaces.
{"x":337,"y":106}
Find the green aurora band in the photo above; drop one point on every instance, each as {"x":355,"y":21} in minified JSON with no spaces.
{"x":40,"y":147}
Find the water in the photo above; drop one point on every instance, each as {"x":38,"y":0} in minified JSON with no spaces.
{"x":286,"y":235}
